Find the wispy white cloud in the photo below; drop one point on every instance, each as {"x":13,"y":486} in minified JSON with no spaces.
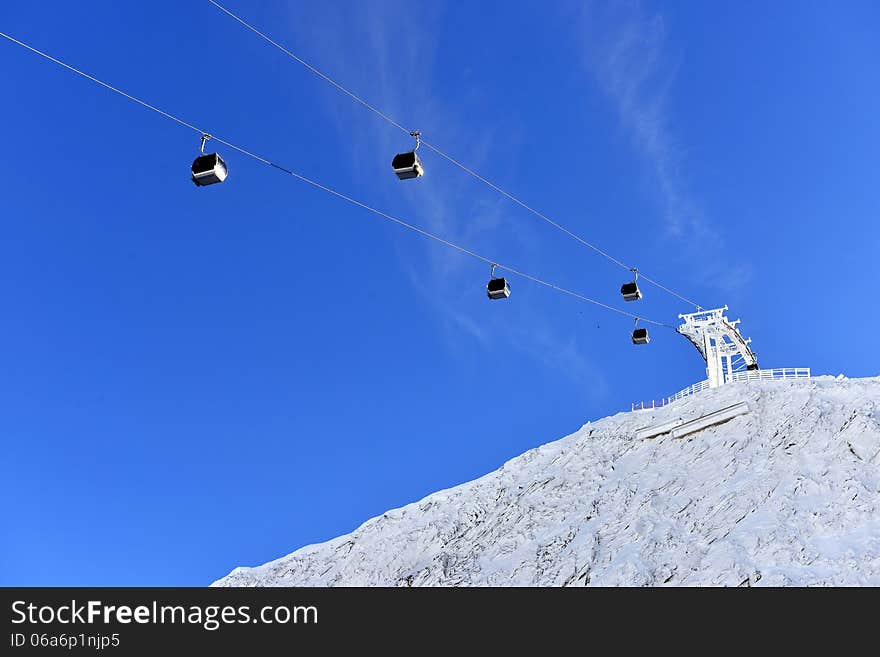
{"x":394,"y":70}
{"x":627,"y":52}
{"x":564,"y":354}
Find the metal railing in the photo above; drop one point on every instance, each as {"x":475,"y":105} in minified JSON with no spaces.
{"x":776,"y":374}
{"x":659,"y":403}
{"x":770,"y":375}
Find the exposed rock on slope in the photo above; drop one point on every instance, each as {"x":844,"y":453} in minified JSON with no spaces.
{"x":788,"y":494}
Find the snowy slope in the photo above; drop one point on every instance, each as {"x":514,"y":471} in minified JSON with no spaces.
{"x":788,"y":494}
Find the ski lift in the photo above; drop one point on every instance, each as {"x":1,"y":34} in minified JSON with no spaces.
{"x":208,"y":169}
{"x":497,"y":287}
{"x":640,"y":335}
{"x":408,"y":165}
{"x":631,"y":291}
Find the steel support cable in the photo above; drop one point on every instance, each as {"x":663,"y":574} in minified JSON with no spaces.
{"x":446,"y":156}
{"x":330,"y":190}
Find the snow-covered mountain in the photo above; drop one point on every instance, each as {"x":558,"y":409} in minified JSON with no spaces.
{"x":788,"y":494}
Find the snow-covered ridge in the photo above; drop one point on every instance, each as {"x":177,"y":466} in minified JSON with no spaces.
{"x":788,"y":494}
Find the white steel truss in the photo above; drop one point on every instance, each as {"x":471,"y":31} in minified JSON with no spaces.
{"x":720,"y":343}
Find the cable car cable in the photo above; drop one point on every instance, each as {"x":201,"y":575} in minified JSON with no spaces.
{"x":330,"y":190}
{"x":448,"y":157}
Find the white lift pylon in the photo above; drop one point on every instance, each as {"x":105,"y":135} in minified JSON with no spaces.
{"x":720,"y":344}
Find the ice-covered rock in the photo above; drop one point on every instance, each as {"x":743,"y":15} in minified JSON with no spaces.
{"x":788,"y":494}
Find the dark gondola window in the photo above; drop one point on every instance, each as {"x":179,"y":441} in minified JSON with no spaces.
{"x":404,"y":160}
{"x":205,"y":163}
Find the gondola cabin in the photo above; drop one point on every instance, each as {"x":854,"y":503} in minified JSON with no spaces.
{"x":630,"y":291}
{"x":640,"y":336}
{"x":209,"y":169}
{"x":407,"y":165}
{"x":498,"y":288}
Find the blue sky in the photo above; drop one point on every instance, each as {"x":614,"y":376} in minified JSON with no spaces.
{"x":195,"y":379}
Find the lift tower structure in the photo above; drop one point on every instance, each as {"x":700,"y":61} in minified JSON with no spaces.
{"x":720,"y":344}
